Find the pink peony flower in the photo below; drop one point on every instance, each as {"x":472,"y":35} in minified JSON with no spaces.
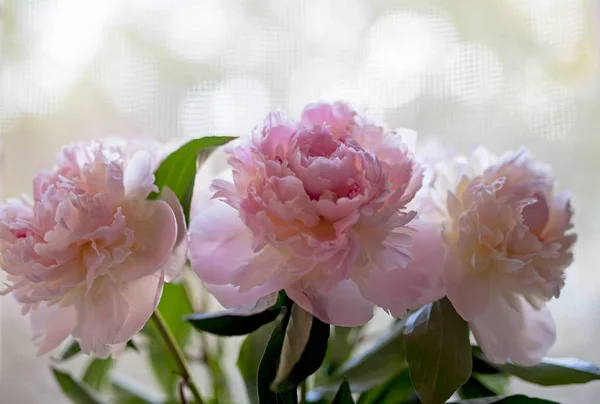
{"x":316,"y":208}
{"x":508,"y":243}
{"x":88,"y":256}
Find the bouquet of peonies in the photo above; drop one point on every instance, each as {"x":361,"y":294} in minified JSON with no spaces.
{"x":319,"y":221}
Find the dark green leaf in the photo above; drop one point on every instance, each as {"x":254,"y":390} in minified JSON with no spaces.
{"x":249,"y":359}
{"x":343,"y":395}
{"x":515,"y":399}
{"x":178,"y":170}
{"x":381,"y":360}
{"x":238,"y":321}
{"x":97,"y":373}
{"x":303,"y":350}
{"x":438,"y":351}
{"x":132,"y":345}
{"x":269,"y":364}
{"x":396,"y":390}
{"x":497,"y":383}
{"x":550,"y":371}
{"x":72,"y":350}
{"x":377,"y":363}
{"x":473,"y":388}
{"x":480,"y":366}
{"x":74,"y":390}
{"x":173,"y":306}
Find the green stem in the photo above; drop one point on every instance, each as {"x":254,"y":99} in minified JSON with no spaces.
{"x":199,"y":302}
{"x":303,"y":392}
{"x":178,"y":355}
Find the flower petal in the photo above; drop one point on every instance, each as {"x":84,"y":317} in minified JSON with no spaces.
{"x":418,"y":283}
{"x":138,"y":177}
{"x":219,"y":243}
{"x":100,"y":316}
{"x":519,"y":334}
{"x":469,"y":292}
{"x":156,"y":234}
{"x":229,"y":296}
{"x":113,"y":313}
{"x":342,"y":306}
{"x":52,"y":325}
{"x":178,"y":256}
{"x":142,"y":296}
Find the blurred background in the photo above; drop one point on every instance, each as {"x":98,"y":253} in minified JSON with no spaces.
{"x":498,"y":72}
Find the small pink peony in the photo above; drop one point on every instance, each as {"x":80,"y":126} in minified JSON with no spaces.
{"x":89,"y":255}
{"x":508,"y":243}
{"x":316,"y":208}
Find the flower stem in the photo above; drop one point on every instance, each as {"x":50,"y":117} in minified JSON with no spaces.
{"x":303,"y":392}
{"x":178,"y":355}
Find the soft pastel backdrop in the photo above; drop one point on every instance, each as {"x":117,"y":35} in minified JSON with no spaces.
{"x":499,"y":72}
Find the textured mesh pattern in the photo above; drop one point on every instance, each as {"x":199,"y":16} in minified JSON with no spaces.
{"x":500,"y":72}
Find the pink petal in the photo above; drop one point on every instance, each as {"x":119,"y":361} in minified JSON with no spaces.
{"x":179,"y":255}
{"x":519,"y":334}
{"x":343,"y":306}
{"x":229,"y":296}
{"x":142,"y":296}
{"x":138,"y":177}
{"x":113,"y":313}
{"x":156,"y":234}
{"x":110,"y":350}
{"x":52,"y":324}
{"x":101,"y":316}
{"x":559,"y":217}
{"x":258,"y":270}
{"x":219,"y":243}
{"x":418,"y":283}
{"x":337,"y":115}
{"x":469,"y":292}
{"x":536,"y":215}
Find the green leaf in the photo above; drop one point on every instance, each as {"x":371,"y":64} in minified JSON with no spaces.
{"x":238,"y":321}
{"x":438,"y":351}
{"x":178,"y":170}
{"x":128,"y":391}
{"x":173,"y":306}
{"x":473,"y":388}
{"x":303,"y":351}
{"x":396,"y":390}
{"x":74,"y":390}
{"x":377,"y":363}
{"x":514,"y":399}
{"x":480,"y":365}
{"x":132,"y":345}
{"x":249,"y":358}
{"x":96,"y":375}
{"x":341,"y":344}
{"x":269,"y":364}
{"x":343,"y":395}
{"x":550,"y":371}
{"x":497,"y":383}
{"x":72,"y":350}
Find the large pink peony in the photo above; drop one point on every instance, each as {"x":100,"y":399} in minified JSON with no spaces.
{"x":88,"y":256}
{"x":317,"y":208}
{"x":508,"y":243}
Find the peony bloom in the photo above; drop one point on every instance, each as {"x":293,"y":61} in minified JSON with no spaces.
{"x":317,"y":208}
{"x":88,"y":256}
{"x":507,"y":240}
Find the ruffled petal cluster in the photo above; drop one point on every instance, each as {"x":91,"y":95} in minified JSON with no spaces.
{"x":316,"y":207}
{"x":508,"y":241}
{"x":88,"y":255}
